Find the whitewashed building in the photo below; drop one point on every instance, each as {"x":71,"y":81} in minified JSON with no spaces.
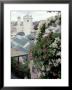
{"x":25,"y":25}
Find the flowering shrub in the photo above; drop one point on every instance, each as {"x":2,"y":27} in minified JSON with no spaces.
{"x":47,"y":53}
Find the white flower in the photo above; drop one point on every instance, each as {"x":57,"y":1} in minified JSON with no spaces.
{"x":43,"y":74}
{"x":58,"y":60}
{"x":55,"y":64}
{"x":57,"y":39}
{"x":48,"y":68}
{"x":59,"y":53}
{"x":54,"y":45}
{"x":42,"y":67}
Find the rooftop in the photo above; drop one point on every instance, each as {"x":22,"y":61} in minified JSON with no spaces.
{"x":16,"y":52}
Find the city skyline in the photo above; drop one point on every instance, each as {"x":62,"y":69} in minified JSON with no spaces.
{"x":36,"y":15}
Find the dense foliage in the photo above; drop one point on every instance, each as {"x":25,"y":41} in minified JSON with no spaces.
{"x":47,"y":53}
{"x":20,"y":70}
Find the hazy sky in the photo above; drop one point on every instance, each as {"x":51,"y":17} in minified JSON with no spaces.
{"x":36,"y":15}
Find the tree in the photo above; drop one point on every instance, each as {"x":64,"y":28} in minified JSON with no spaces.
{"x":42,"y":31}
{"x":46,"y":54}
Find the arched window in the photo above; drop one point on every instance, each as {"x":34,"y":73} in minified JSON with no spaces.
{"x":27,"y":20}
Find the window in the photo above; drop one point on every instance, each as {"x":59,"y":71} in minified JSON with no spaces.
{"x":27,"y":20}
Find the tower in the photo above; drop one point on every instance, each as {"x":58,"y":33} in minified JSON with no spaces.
{"x":27,"y":24}
{"x":18,"y":24}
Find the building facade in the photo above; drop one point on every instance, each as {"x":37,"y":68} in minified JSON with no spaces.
{"x":25,"y":25}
